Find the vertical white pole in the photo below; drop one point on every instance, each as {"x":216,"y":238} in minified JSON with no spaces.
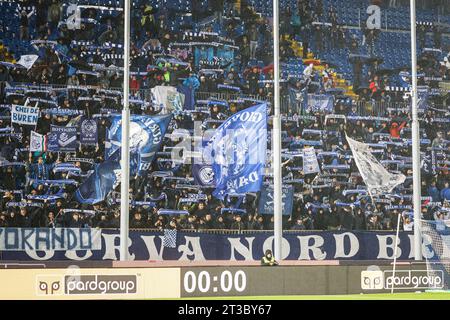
{"x":125,"y":151}
{"x":395,"y":251}
{"x":415,"y":139}
{"x":276,"y":139}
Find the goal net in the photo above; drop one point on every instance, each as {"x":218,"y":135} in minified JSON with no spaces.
{"x":436,"y":250}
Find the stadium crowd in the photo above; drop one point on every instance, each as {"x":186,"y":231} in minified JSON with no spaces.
{"x":219,"y":56}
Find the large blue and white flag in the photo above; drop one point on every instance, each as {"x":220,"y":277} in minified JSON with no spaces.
{"x":237,"y":152}
{"x":146,"y":135}
{"x":95,"y":188}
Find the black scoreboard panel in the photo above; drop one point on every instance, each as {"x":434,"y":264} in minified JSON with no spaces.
{"x":293,"y":280}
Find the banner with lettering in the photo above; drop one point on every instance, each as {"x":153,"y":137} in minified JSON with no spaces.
{"x":24,"y":115}
{"x":83,"y":244}
{"x":266,"y":200}
{"x":63,"y":139}
{"x":59,"y":239}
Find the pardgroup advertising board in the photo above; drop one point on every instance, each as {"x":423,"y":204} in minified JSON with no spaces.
{"x":76,"y":283}
{"x":305,"y":280}
{"x":33,"y":244}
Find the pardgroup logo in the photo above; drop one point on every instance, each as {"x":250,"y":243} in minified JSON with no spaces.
{"x":85,"y":284}
{"x":372,"y":280}
{"x":97,"y":284}
{"x":403,"y":279}
{"x":409,"y":279}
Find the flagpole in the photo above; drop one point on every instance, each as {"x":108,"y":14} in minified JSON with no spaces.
{"x":125,"y":151}
{"x":415,"y":139}
{"x":276,"y":139}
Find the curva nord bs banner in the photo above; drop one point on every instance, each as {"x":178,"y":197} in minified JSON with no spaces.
{"x":95,"y":244}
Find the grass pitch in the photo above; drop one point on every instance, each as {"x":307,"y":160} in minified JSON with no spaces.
{"x":383,"y":296}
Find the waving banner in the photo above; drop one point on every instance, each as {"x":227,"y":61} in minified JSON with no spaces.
{"x":63,"y":139}
{"x":99,"y":183}
{"x":38,"y":142}
{"x":238,"y":150}
{"x":88,"y":132}
{"x":266,"y":201}
{"x":146,"y":135}
{"x":24,"y":115}
{"x":375,"y":176}
{"x":28,"y":60}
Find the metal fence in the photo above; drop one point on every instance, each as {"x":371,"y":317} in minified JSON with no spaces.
{"x":363,"y":108}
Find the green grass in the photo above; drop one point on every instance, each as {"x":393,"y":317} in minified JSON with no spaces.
{"x":383,"y":296}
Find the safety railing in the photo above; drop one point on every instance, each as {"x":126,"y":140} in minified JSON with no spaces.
{"x":363,"y":108}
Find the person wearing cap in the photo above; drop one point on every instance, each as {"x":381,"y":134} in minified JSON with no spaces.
{"x":268,"y":259}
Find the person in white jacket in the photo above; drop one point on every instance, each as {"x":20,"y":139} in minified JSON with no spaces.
{"x":307,"y":73}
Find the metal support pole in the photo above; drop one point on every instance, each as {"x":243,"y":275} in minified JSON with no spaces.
{"x":125,"y":150}
{"x":415,"y":139}
{"x":276,"y":139}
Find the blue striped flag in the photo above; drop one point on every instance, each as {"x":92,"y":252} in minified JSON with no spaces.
{"x":170,"y":238}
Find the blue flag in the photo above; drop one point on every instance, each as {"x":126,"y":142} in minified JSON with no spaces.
{"x":237,"y":152}
{"x":99,"y":183}
{"x":146,"y":136}
{"x":266,"y":200}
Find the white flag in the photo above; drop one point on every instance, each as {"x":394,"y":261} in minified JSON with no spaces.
{"x":37,"y":142}
{"x":310,"y":163}
{"x":168,"y":99}
{"x":28,"y":60}
{"x":375,"y":176}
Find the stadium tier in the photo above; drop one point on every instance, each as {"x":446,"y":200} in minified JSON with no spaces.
{"x":194,"y":64}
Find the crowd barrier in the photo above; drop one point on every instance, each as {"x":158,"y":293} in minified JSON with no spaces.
{"x":363,"y":108}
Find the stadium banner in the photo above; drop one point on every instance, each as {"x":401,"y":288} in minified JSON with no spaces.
{"x":24,"y":115}
{"x":250,"y":246}
{"x":320,"y":103}
{"x":266,"y":200}
{"x":88,"y":132}
{"x":310,"y":163}
{"x":238,"y":149}
{"x":146,"y":136}
{"x":51,"y":239}
{"x":62,"y":139}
